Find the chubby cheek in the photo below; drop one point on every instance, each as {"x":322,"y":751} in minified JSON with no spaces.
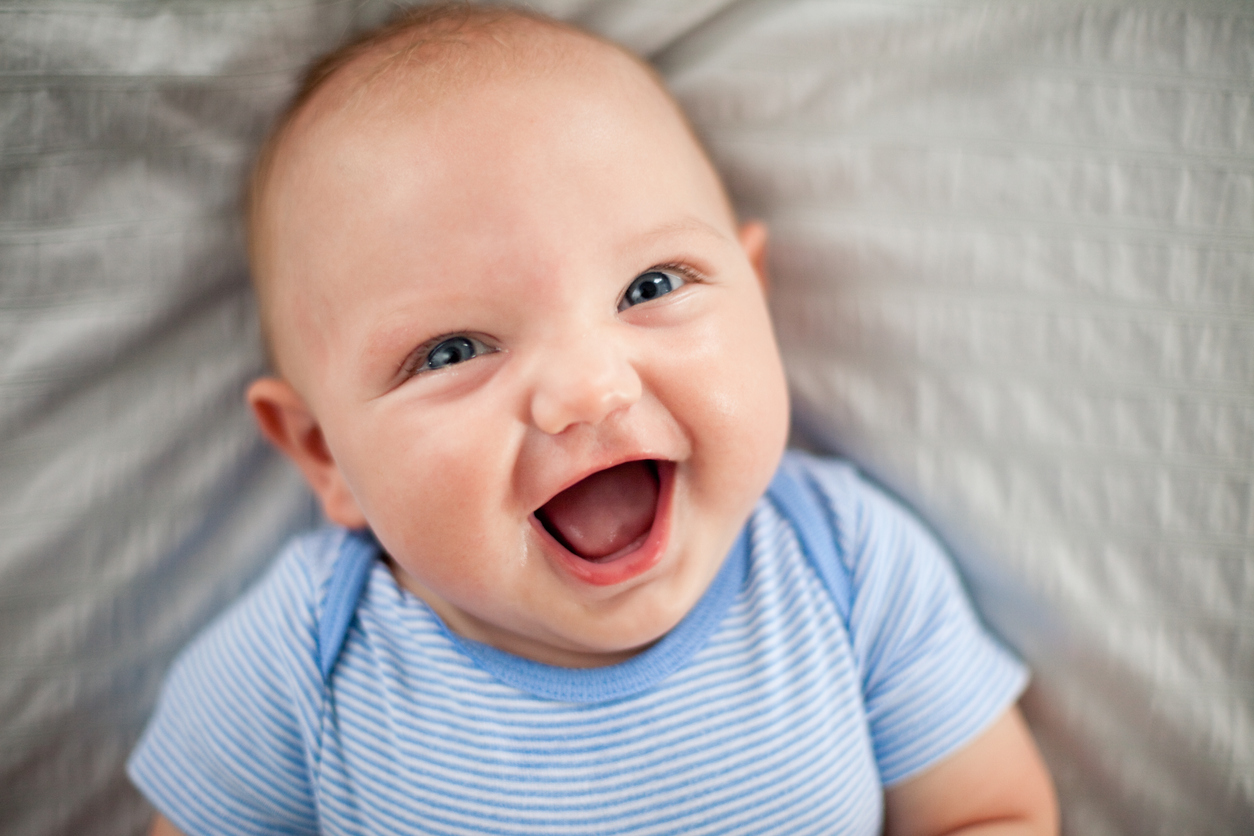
{"x":738,"y":415}
{"x":432,"y":490}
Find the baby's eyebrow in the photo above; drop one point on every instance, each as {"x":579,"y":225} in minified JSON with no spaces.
{"x":684,"y":226}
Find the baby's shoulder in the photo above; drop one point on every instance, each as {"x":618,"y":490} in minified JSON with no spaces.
{"x":299,"y":574}
{"x":276,"y":618}
{"x":874,"y":553}
{"x":240,"y":710}
{"x":860,"y":513}
{"x":307,"y":559}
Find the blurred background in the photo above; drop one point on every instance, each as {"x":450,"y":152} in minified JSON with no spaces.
{"x":1013,"y":277}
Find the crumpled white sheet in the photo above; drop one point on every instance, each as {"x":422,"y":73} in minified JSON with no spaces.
{"x":1013,"y":264}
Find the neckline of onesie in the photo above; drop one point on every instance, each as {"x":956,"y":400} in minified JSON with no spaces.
{"x":624,"y":679}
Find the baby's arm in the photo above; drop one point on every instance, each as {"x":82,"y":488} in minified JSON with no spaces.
{"x":997,"y":784}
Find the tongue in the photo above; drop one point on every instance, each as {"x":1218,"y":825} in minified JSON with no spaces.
{"x":606,"y":511}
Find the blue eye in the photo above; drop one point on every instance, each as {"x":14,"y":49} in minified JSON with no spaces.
{"x":452,"y":351}
{"x":648,"y":286}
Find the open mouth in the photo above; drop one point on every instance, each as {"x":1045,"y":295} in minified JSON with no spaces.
{"x":613,"y":525}
{"x":607,"y":514}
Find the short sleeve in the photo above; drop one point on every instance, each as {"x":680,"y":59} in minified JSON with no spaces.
{"x":226,"y":751}
{"x":933,"y":677}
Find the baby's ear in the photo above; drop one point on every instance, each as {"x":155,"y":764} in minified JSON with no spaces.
{"x":753,"y":241}
{"x":288,"y":423}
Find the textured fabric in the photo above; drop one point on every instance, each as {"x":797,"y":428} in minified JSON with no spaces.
{"x":761,"y":712}
{"x":1011,"y":253}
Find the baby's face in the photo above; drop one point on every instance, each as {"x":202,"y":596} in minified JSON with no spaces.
{"x":535,"y":349}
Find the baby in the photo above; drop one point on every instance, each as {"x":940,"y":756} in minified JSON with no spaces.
{"x":575,"y":585}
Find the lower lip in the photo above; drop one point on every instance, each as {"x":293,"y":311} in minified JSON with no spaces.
{"x":635,"y":559}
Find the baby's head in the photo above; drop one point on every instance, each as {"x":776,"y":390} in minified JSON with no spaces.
{"x":517,"y":330}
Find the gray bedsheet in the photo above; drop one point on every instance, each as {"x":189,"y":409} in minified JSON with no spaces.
{"x":1013,"y":266}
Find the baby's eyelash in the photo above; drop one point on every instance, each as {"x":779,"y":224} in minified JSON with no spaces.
{"x":687,"y":271}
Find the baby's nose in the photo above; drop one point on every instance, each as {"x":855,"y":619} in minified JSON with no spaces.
{"x":582,"y":384}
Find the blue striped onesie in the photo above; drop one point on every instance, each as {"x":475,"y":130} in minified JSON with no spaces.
{"x":834,"y":654}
